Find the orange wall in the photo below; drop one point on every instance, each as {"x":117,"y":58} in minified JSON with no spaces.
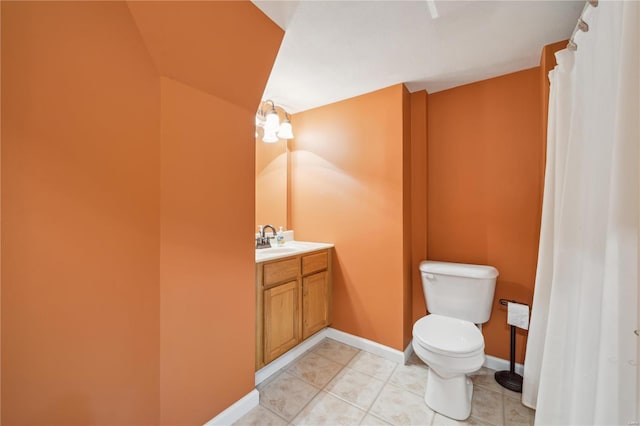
{"x":418,"y":235}
{"x":207,"y":268}
{"x":128,"y":261}
{"x":484,"y":186}
{"x":217,"y":57}
{"x":0,"y":222}
{"x":80,"y":197}
{"x":347,"y":188}
{"x":272,"y":176}
{"x":407,"y":314}
{"x":224,"y":48}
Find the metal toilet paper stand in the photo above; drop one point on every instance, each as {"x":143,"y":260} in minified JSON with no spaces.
{"x":510,"y":379}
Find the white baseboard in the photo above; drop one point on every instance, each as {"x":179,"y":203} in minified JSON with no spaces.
{"x":236,"y":410}
{"x":274,"y":366}
{"x":366,"y":345}
{"x":500,"y":364}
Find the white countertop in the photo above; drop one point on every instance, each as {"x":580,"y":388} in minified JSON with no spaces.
{"x":290,"y":248}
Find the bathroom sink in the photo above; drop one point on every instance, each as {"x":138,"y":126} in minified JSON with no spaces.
{"x":291,"y":248}
{"x":277,"y":250}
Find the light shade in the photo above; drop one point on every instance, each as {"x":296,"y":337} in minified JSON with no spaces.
{"x":273,"y":122}
{"x":285,"y":132}
{"x":269,"y":137}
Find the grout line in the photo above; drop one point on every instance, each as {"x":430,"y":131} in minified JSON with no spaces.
{"x":326,"y":357}
{"x":279,"y":373}
{"x":330,"y":379}
{"x":384,"y":384}
{"x":305,"y":406}
{"x":284,"y":369}
{"x":290,"y":364}
{"x":366,"y":410}
{"x":273,"y":412}
{"x":370,"y":375}
{"x":337,"y":396}
{"x":322,"y":389}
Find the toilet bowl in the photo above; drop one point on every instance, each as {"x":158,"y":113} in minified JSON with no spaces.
{"x":458,"y":297}
{"x":452,"y":349}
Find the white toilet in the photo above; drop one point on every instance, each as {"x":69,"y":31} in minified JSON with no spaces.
{"x":458,"y":297}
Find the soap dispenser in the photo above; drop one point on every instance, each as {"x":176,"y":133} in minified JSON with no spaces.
{"x":280,"y":237}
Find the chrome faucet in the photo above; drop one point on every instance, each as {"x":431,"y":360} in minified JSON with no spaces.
{"x":263,"y":241}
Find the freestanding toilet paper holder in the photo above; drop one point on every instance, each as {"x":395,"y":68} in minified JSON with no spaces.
{"x":510,"y":379}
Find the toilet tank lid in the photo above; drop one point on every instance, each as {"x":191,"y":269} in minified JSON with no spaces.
{"x":458,"y":269}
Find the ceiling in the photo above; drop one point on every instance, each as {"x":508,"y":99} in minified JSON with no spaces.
{"x":334,"y":50}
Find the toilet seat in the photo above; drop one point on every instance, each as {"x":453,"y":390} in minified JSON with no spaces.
{"x":448,"y":336}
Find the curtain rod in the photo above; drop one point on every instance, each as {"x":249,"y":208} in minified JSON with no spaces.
{"x":581,"y":25}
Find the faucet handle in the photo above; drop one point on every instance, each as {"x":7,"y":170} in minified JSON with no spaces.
{"x":262,"y":242}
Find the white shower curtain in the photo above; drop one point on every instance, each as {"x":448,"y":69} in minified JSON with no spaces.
{"x":581,"y":361}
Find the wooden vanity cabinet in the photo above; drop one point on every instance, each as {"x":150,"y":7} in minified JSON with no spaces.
{"x":293,"y":302}
{"x":316,"y":297}
{"x":281,"y":319}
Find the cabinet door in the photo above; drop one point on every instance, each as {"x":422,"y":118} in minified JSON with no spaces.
{"x":281,"y":319}
{"x":316,"y":297}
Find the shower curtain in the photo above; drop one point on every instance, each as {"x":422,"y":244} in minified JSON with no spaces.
{"x":581,"y":360}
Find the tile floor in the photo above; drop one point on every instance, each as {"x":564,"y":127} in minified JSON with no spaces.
{"x":336,"y":384}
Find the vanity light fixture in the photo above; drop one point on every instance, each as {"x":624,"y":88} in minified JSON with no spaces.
{"x":268,"y":119}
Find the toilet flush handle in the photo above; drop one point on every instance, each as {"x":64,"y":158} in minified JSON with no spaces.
{"x":430,"y":276}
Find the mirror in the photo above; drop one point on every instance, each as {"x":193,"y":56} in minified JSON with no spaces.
{"x":272,"y":164}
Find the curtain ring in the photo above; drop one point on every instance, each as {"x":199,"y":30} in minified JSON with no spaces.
{"x":582,"y":25}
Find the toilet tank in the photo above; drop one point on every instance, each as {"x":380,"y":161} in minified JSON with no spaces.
{"x":459,"y":290}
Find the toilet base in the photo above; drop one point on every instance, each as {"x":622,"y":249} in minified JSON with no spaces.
{"x":449,"y":397}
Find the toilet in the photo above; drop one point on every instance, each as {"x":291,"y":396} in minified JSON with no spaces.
{"x":449,"y":340}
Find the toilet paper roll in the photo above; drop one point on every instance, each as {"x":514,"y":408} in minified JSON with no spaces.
{"x":518,"y":315}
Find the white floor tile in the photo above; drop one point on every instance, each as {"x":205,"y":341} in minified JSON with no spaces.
{"x":260,"y":416}
{"x":336,"y":384}
{"x":373,"y":365}
{"x":315,"y":369}
{"x":326,"y":409}
{"x":335,"y":351}
{"x":287,"y":395}
{"x":355,"y":387}
{"x":401,"y":407}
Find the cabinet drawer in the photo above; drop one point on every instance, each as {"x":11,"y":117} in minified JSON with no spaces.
{"x":314,"y":262}
{"x":284,"y":270}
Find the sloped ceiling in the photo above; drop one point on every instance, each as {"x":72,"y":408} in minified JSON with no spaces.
{"x":223,"y":48}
